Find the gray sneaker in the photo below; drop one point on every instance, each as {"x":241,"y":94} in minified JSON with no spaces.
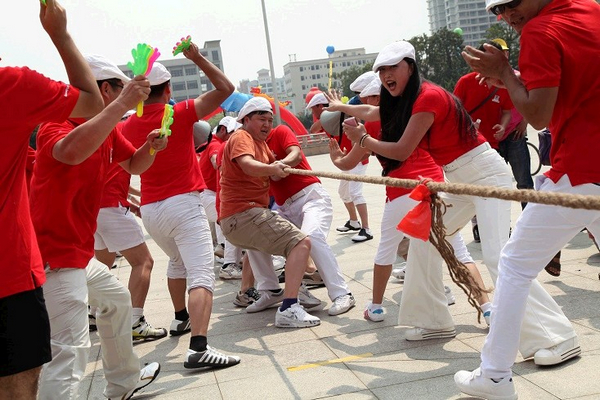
{"x":230,"y":271}
{"x":342,"y":304}
{"x":306,"y":299}
{"x":267,"y":299}
{"x":248,"y":297}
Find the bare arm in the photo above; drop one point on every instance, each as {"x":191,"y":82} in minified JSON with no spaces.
{"x":316,"y":127}
{"x":142,"y":159}
{"x":500,"y":128}
{"x":252,"y":167}
{"x":344,"y":161}
{"x":293,"y":156}
{"x":365,"y":112}
{"x":54,"y":20}
{"x":209,"y":101}
{"x":536,"y":105}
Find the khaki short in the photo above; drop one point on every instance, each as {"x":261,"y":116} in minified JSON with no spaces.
{"x":261,"y":229}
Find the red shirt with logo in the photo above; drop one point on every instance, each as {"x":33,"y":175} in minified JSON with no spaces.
{"x":28,"y":99}
{"x":65,"y":199}
{"x":209,"y":173}
{"x":175,"y":169}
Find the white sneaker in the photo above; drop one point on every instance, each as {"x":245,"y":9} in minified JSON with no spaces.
{"x":374,"y":314}
{"x":349,"y":226}
{"x":267,"y":299}
{"x":295,"y":317}
{"x":473,"y":384}
{"x":219,"y":250}
{"x":342,"y":304}
{"x":147,"y":375}
{"x":362,"y":236}
{"x":142,"y":330}
{"x":230,"y":271}
{"x":415,"y":334}
{"x":306,"y":299}
{"x":559,"y":353}
{"x":209,"y":358}
{"x":449,"y":295}
{"x":400,"y":272}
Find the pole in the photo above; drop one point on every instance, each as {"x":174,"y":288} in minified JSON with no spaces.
{"x":273,"y":84}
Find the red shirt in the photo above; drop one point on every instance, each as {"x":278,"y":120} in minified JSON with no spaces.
{"x":278,"y":141}
{"x":209,"y":173}
{"x":471,"y":93}
{"x":240,"y":192}
{"x":442,"y":140}
{"x":559,"y":48}
{"x":219,"y":164}
{"x":116,"y":188}
{"x":65,"y":199}
{"x":175,"y":169}
{"x":28,"y":99}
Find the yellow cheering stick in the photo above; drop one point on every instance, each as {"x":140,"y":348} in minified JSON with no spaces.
{"x":165,"y":125}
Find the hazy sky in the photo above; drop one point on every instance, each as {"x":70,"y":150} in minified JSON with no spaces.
{"x":301,"y":27}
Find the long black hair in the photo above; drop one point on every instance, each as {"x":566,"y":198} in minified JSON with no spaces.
{"x":395,"y":112}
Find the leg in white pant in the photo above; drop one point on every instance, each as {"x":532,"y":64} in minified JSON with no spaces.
{"x":263,"y":270}
{"x":540,"y":232}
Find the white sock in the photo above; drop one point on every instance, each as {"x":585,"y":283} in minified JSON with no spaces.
{"x":374,"y":306}
{"x":136,"y":314}
{"x":486,"y":307}
{"x":355,"y":224}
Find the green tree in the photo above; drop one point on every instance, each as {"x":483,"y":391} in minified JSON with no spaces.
{"x":348,"y":76}
{"x":306,"y":119}
{"x":503,"y":31}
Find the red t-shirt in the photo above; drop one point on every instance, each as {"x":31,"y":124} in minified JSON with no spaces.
{"x":219,"y":164}
{"x":240,"y":192}
{"x":471,"y":93}
{"x":175,"y":169}
{"x":65,"y":199}
{"x":278,"y":141}
{"x":559,"y":48}
{"x":28,"y":99}
{"x":209,"y":174}
{"x":29,"y":165}
{"x":116,"y":188}
{"x":442,"y":140}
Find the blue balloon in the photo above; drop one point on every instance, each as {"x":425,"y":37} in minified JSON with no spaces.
{"x":330,"y":49}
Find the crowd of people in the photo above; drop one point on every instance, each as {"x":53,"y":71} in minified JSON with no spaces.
{"x":67,"y":218}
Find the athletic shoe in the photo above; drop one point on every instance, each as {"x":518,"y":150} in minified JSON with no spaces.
{"x":476,"y":237}
{"x":92,"y":323}
{"x":349,"y":226}
{"x":374,"y":314}
{"x":295,"y":317}
{"x":248,"y":297}
{"x":267,"y":299}
{"x":209,"y":358}
{"x":306,"y":299}
{"x":474,"y":384}
{"x":281,"y":276}
{"x":142,"y":330}
{"x":362,"y":236}
{"x":449,"y":295}
{"x":313,"y":280}
{"x":147,"y":375}
{"x":415,"y":334}
{"x":400,"y":272}
{"x":179,"y":328}
{"x":230,"y":271}
{"x":342,"y":304}
{"x":559,"y":353}
{"x":220,"y":250}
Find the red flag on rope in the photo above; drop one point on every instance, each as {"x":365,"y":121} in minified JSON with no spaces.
{"x":417,"y":222}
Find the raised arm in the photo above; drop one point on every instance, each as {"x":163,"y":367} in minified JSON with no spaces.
{"x":365,"y":112}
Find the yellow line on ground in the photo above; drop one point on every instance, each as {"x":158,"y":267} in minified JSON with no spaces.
{"x":334,"y":361}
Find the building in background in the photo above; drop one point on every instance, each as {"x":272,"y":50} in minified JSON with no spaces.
{"x":468,"y":15}
{"x":187,"y":80}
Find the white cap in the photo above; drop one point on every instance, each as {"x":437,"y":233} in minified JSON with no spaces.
{"x":362,"y":81}
{"x":103,"y":69}
{"x":393,"y":53}
{"x":317,"y":99}
{"x":491,"y":3}
{"x":158,"y":74}
{"x":372,"y":89}
{"x":230,"y":123}
{"x":254,"y":104}
{"x":201,"y":132}
{"x":330,"y":121}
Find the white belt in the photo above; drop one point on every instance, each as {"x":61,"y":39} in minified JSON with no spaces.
{"x":466,"y":158}
{"x":298,"y":195}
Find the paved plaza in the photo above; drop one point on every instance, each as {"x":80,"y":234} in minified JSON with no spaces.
{"x":346,"y":356}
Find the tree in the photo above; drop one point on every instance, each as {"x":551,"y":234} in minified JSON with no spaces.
{"x":349,"y":75}
{"x":306,"y":119}
{"x":510,"y":36}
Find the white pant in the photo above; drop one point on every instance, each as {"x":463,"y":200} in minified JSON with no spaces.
{"x":311,"y":211}
{"x":541,"y":231}
{"x":209,"y":202}
{"x":350,"y":191}
{"x":117,"y":229}
{"x":423,"y":301}
{"x":180,"y":228}
{"x":66,"y":293}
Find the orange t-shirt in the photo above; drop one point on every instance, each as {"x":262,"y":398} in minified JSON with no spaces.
{"x":240,"y":192}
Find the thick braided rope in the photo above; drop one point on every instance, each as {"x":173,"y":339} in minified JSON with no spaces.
{"x":529,"y":196}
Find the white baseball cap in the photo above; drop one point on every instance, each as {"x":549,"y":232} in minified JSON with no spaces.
{"x":230,"y":123}
{"x":393,"y":53}
{"x":491,"y":3}
{"x":372,"y":89}
{"x":103,"y":69}
{"x":254,"y":104}
{"x":158,"y":74}
{"x":362,"y":81}
{"x":317,"y":99}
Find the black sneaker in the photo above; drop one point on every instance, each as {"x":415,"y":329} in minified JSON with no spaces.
{"x":348,"y":227}
{"x":281,"y":276}
{"x":476,"y":237}
{"x":209,"y":358}
{"x":362,"y":236}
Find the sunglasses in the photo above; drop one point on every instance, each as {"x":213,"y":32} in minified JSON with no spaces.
{"x":499,"y":9}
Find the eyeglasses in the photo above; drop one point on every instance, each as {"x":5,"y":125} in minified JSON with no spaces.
{"x":117,"y":85}
{"x":499,"y":9}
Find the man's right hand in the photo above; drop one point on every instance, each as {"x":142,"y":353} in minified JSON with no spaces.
{"x":135,"y":90}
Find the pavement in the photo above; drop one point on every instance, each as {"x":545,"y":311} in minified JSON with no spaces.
{"x":346,"y":356}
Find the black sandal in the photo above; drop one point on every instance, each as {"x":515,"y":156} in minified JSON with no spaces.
{"x":553,"y":267}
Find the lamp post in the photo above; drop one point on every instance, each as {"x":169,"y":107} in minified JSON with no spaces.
{"x":273,"y":84}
